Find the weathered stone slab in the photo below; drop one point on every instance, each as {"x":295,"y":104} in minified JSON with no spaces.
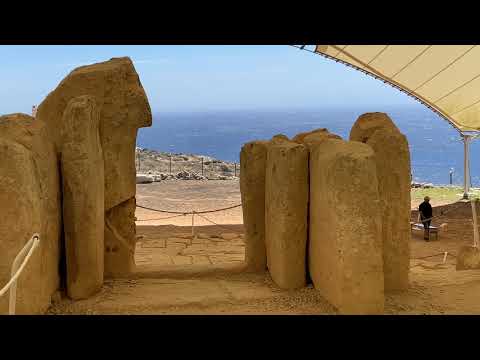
{"x":345,"y":248}
{"x":29,"y":202}
{"x":286,"y":209}
{"x":83,"y":197}
{"x":392,"y":157}
{"x":253,"y":157}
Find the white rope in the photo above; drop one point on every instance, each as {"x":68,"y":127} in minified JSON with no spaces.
{"x":16,"y":271}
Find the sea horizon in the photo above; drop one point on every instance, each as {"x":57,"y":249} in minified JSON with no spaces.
{"x":435,"y":146}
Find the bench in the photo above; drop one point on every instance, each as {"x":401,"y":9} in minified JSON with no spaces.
{"x":419,"y":227}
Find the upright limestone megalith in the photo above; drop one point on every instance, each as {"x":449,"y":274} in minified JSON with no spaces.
{"x":124,"y":108}
{"x":392,"y":157}
{"x":253,"y":158}
{"x":83,"y":197}
{"x":29,"y":203}
{"x":20,"y":216}
{"x":345,"y":248}
{"x":286,"y":210}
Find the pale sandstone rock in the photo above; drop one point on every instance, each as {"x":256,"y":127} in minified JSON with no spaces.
{"x":120,"y":239}
{"x":29,"y":202}
{"x":83,"y":197}
{"x":279,"y":139}
{"x":124,"y":109}
{"x":392,"y":157}
{"x":286,"y":209}
{"x":323,"y":132}
{"x":21,"y":218}
{"x":345,"y":248}
{"x":253,"y":158}
{"x":318,"y":136}
{"x":368,"y":123}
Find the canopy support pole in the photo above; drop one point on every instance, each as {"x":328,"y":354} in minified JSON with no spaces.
{"x":466,"y":165}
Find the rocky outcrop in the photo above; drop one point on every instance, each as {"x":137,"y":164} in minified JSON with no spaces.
{"x":392,"y":158}
{"x":253,"y":158}
{"x":83,"y":197}
{"x":286,"y":207}
{"x":345,"y":248}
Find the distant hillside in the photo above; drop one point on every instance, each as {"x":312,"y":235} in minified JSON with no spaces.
{"x":184,"y":166}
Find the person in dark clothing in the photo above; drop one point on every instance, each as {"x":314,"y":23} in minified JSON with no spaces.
{"x":426,"y":213}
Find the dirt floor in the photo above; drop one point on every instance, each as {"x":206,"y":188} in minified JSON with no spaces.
{"x":178,"y":274}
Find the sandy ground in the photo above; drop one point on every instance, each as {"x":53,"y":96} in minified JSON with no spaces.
{"x":178,"y":274}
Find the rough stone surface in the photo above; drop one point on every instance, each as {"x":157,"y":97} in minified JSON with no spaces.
{"x":120,"y":239}
{"x":468,"y":258}
{"x":29,"y":203}
{"x":83,"y":197}
{"x":392,"y":157}
{"x":253,"y":157}
{"x":124,"y":109}
{"x":286,"y":209}
{"x":314,"y":135}
{"x":279,"y":139}
{"x":368,"y":123}
{"x":345,"y":248}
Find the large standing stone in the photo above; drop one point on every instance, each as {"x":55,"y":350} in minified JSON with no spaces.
{"x":83,"y":197}
{"x":368,"y":123}
{"x":286,"y":208}
{"x":345,"y":247}
{"x":29,"y":203}
{"x":253,"y":157}
{"x":124,"y":109}
{"x":392,"y":157}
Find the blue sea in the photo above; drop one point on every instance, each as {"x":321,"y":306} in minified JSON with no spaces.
{"x":435,"y":146}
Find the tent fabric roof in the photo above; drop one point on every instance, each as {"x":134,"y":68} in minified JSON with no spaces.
{"x":445,"y":78}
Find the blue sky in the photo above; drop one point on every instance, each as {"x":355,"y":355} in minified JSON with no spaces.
{"x":196,"y":78}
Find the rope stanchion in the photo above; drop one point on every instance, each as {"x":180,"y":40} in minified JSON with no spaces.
{"x":31,"y":245}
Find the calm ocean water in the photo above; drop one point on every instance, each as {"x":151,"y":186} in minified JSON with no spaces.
{"x":435,"y":146}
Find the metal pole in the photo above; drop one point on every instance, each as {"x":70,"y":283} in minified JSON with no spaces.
{"x":202,"y":166}
{"x":466,"y":166}
{"x":139,"y":164}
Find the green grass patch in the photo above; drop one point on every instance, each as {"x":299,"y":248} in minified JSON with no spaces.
{"x":441,"y":194}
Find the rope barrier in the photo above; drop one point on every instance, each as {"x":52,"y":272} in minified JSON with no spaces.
{"x":164,"y":218}
{"x":188,"y":212}
{"x":213,"y":222}
{"x":32,"y":244}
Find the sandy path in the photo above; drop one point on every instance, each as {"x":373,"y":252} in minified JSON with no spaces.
{"x":180,"y":275}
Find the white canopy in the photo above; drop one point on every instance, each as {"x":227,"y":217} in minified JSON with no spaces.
{"x":446,"y":78}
